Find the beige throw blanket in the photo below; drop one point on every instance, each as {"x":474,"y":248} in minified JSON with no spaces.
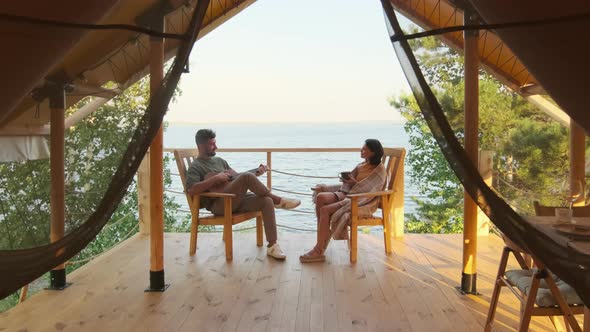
{"x":367,"y":206}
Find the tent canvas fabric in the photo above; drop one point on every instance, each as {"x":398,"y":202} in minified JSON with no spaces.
{"x":567,"y":263}
{"x":21,"y":148}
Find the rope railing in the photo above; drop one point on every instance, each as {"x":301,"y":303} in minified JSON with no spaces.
{"x":87,"y":259}
{"x":288,"y":173}
{"x":512,"y":204}
{"x":304,"y":176}
{"x":175,"y":191}
{"x":302,"y":211}
{"x":291,"y":192}
{"x":113,"y":224}
{"x":526,"y":192}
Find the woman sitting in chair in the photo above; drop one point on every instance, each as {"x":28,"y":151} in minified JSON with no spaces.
{"x":332,"y":205}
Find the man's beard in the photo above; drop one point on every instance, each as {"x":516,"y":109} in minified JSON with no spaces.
{"x":211,"y":153}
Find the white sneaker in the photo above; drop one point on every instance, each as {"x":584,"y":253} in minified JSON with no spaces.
{"x":276,"y":252}
{"x":287,"y":203}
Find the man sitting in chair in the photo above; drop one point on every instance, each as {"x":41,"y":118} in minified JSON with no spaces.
{"x":211,"y":173}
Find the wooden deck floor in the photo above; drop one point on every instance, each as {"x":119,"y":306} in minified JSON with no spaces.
{"x":411,"y":290}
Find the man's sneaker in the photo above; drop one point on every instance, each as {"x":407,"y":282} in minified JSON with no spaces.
{"x":287,"y":203}
{"x":276,"y":252}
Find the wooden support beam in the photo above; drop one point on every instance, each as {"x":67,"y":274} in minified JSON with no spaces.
{"x":70,"y":121}
{"x":156,"y":156}
{"x":469,"y":275}
{"x":85,"y":111}
{"x":550,"y":109}
{"x":577,"y":159}
{"x":57,"y":103}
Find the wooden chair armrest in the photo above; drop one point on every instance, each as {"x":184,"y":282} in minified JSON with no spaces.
{"x":218,"y":195}
{"x":372,"y":194}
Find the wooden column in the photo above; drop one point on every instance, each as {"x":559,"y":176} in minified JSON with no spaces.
{"x":397,"y":205}
{"x":486,"y":170}
{"x":57,"y":104}
{"x":156,"y":156}
{"x":577,"y":158}
{"x":469,"y":274}
{"x":143,"y":195}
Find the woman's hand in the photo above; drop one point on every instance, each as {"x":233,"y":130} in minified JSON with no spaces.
{"x":351,"y":180}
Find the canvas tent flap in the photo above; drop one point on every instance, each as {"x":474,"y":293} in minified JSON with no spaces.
{"x":21,"y":148}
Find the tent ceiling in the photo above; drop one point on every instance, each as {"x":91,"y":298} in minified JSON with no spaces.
{"x":94,"y":58}
{"x":495,"y":56}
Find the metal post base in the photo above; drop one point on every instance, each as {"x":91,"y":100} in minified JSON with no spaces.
{"x":157,"y":283}
{"x":468,"y":284}
{"x":58,"y":280}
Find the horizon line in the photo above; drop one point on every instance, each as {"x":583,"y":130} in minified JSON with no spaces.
{"x":280,"y":122}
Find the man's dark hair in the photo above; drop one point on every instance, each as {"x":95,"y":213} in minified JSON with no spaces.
{"x":375,"y":147}
{"x":204,"y":135}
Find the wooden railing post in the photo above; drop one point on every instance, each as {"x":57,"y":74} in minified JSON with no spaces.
{"x":23,"y":293}
{"x":577,"y":159}
{"x":397,"y":205}
{"x":143,"y":194}
{"x":269,"y":173}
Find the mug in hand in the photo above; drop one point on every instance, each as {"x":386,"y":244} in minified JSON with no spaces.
{"x":344,"y":175}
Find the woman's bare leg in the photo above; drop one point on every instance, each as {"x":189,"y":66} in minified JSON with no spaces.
{"x":322,"y":199}
{"x":324,"y":228}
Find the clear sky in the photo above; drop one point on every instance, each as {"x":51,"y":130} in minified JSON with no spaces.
{"x":285,"y":61}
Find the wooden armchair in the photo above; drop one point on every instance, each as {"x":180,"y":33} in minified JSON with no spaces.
{"x":391,"y":204}
{"x":184,"y":158}
{"x":538,"y":290}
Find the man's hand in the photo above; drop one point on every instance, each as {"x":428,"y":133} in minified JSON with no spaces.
{"x":222,"y":177}
{"x":261,"y":170}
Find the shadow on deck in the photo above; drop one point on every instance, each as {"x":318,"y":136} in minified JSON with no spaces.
{"x":411,"y":290}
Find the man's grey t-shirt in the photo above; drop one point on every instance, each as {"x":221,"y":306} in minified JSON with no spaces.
{"x":201,"y":167}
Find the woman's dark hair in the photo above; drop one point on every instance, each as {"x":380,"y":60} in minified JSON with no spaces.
{"x":204,"y":135}
{"x":375,"y":147}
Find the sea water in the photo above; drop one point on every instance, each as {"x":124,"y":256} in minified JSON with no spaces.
{"x":294,"y":135}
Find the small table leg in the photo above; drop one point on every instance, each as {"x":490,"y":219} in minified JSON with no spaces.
{"x":586,"y":319}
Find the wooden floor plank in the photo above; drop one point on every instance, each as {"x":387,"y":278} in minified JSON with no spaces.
{"x":411,"y":290}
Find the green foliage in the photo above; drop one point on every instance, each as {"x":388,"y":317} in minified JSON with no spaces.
{"x":528,"y":147}
{"x":94,"y":148}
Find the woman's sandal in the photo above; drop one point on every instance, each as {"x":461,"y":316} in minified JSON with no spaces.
{"x":312,"y":257}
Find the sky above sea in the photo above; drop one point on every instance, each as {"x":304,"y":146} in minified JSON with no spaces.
{"x":293,"y":61}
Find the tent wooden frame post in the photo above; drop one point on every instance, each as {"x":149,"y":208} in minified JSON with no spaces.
{"x":469,"y":273}
{"x":156,"y":157}
{"x":57,"y":102}
{"x":577,"y":158}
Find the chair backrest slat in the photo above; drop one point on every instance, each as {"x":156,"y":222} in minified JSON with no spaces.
{"x":184,"y":158}
{"x":392,"y":160}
